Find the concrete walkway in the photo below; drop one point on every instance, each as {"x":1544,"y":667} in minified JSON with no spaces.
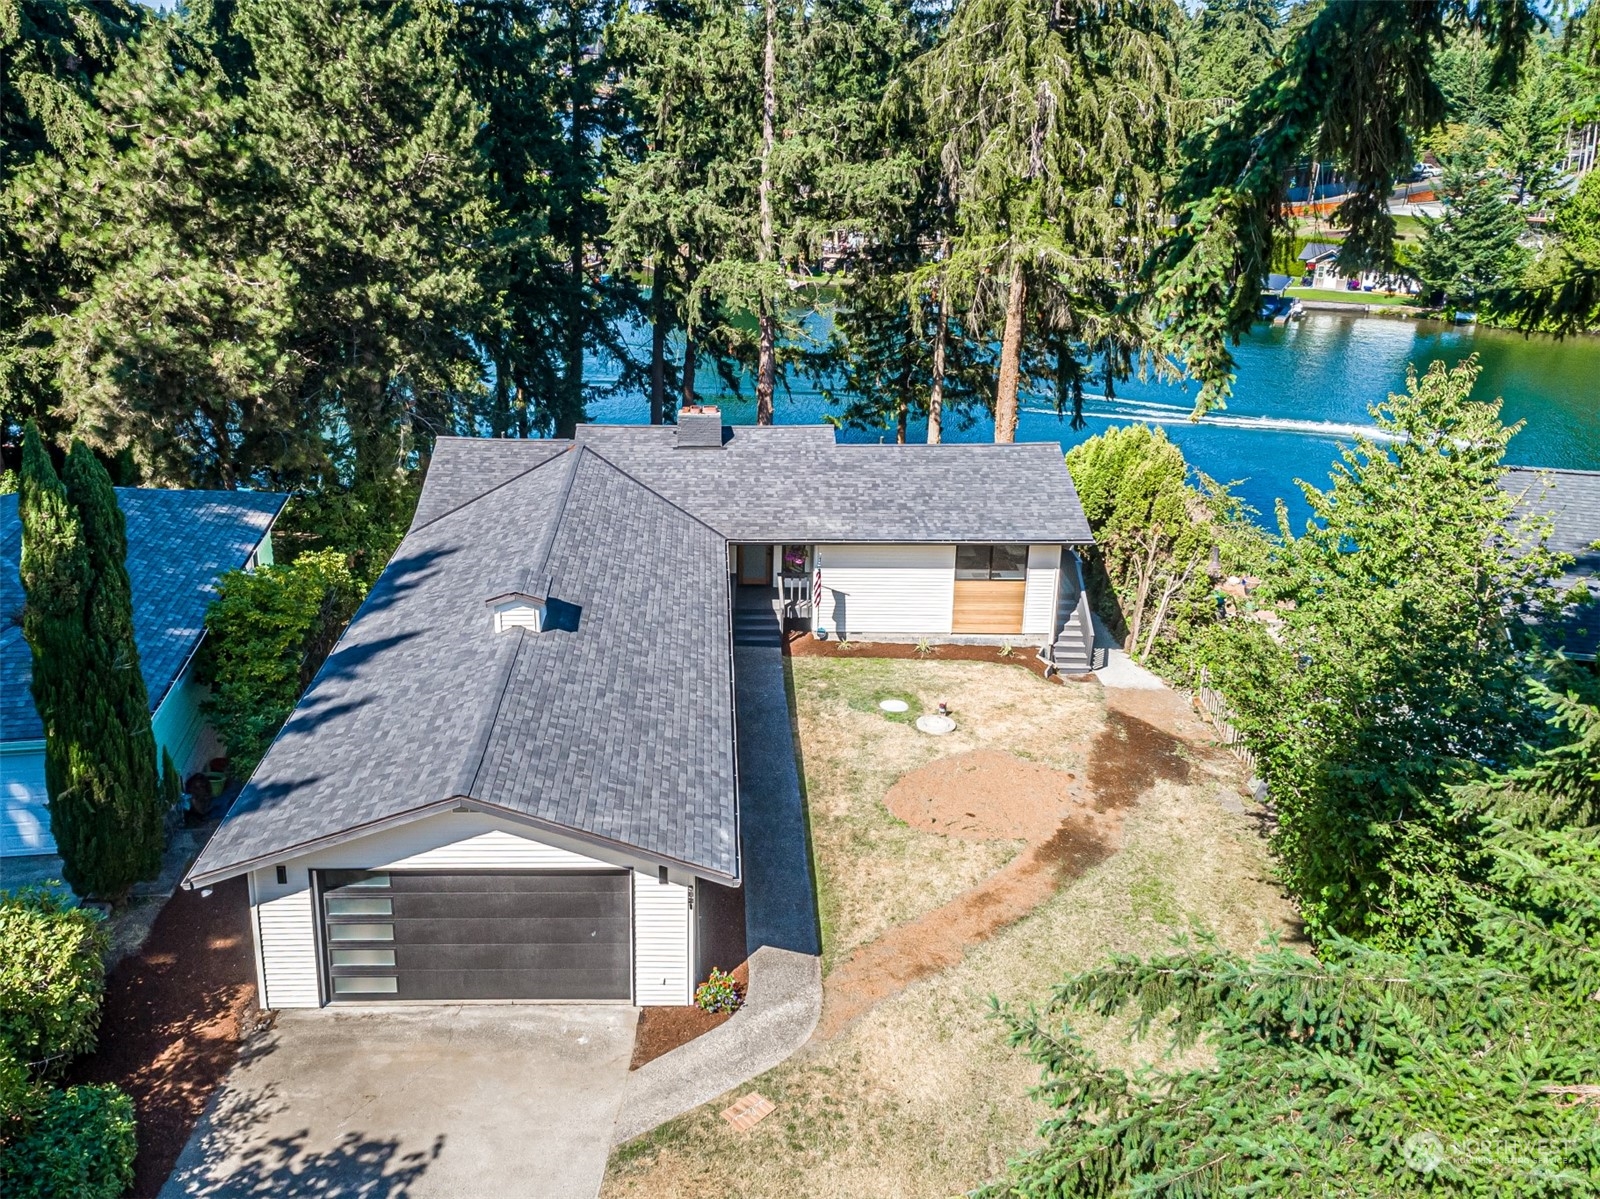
{"x":1120,"y":670}
{"x":424,"y":1102}
{"x":781,"y":933}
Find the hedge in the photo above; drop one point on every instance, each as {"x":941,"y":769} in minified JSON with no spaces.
{"x":51,"y":978}
{"x":74,"y":1143}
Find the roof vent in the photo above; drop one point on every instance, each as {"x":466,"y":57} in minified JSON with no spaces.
{"x":699,"y":427}
{"x":517,"y":610}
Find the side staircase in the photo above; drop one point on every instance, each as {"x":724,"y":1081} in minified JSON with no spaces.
{"x":1073,"y":650}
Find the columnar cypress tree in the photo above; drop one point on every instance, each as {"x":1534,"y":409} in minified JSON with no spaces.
{"x":126,"y":745}
{"x":55,"y":576}
{"x":100,"y":767}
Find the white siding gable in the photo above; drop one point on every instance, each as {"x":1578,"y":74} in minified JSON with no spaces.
{"x":1039,"y":600}
{"x":908,"y":590}
{"x":662,"y":942}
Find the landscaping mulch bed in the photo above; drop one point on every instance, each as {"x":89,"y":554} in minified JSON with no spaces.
{"x":663,"y":1029}
{"x":804,"y":645}
{"x":174,"y":1016}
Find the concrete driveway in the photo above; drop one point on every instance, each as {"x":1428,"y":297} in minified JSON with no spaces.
{"x":416,"y":1103}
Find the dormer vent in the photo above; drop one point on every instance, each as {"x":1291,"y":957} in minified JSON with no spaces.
{"x":699,"y":427}
{"x":518,"y":610}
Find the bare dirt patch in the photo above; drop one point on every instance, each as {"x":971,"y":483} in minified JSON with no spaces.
{"x":876,"y":870}
{"x":804,"y":645}
{"x":986,"y":795}
{"x":173,"y":1019}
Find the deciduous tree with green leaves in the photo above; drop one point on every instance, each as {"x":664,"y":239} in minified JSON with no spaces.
{"x":266,"y":635}
{"x":1391,"y":664}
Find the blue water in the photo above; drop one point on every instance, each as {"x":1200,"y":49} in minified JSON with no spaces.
{"x":1303,"y":390}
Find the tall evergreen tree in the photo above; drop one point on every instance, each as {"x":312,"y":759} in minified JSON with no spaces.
{"x":1472,"y":250}
{"x":51,"y":54}
{"x":100,"y":766}
{"x":130,"y":816}
{"x":1054,"y":124}
{"x":1356,"y":88}
{"x":678,"y":186}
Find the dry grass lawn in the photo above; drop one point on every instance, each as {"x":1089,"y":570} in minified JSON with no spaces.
{"x":921,"y":1096}
{"x":874,"y":871}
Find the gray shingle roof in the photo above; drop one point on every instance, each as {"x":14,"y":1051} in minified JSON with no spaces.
{"x":179,"y":543}
{"x":793,"y":483}
{"x":1571,"y":499}
{"x":619,"y":729}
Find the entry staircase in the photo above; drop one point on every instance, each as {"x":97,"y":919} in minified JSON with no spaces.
{"x":1073,"y":650}
{"x":757,"y":617}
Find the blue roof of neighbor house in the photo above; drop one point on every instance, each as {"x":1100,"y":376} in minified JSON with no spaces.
{"x":1316,"y":251}
{"x":179,"y":543}
{"x":617,"y":726}
{"x":1571,"y":501}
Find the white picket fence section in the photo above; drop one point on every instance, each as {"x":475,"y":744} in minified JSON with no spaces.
{"x":1215,"y":705}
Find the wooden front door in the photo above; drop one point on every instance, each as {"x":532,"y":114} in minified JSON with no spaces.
{"x":990,"y":583}
{"x":988,"y":606}
{"x":755,"y":565}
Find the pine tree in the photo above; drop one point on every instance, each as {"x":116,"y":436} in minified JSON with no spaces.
{"x":1472,"y":250}
{"x":1052,"y":119}
{"x":1444,"y":1067}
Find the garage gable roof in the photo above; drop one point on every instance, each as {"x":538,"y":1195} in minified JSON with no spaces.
{"x":179,"y":544}
{"x":615,"y":722}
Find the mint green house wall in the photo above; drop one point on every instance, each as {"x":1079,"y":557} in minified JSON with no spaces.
{"x":180,"y":726}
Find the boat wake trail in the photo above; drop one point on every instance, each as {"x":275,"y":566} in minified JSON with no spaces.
{"x":1152,"y":412}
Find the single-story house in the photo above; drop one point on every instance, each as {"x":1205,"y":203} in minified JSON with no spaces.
{"x":1320,"y":268}
{"x":1571,"y":501}
{"x":516,"y":777}
{"x":179,"y":544}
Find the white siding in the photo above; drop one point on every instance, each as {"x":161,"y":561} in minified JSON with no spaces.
{"x":1039,"y":600}
{"x":452,"y":841}
{"x":24,"y":810}
{"x":285,"y":921}
{"x":897,"y":589}
{"x":662,"y":942}
{"x":286,"y":939}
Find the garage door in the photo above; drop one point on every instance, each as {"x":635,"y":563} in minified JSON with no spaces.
{"x":436,"y":936}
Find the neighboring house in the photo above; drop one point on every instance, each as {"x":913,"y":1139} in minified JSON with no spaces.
{"x":1320,"y":269}
{"x":516,"y":775}
{"x":1571,"y":500}
{"x":179,"y":544}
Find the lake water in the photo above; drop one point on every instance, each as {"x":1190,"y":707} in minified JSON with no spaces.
{"x":1302,"y":390}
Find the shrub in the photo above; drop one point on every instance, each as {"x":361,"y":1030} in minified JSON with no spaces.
{"x":267,"y":633}
{"x":51,"y":978}
{"x":719,"y":993}
{"x":75,"y":1143}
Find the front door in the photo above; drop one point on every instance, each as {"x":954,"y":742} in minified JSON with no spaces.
{"x":755,"y":565}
